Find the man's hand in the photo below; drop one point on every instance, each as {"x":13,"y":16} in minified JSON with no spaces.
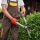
{"x":23,"y":10}
{"x":13,"y":20}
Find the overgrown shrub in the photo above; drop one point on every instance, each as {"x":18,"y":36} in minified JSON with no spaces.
{"x":33,"y":21}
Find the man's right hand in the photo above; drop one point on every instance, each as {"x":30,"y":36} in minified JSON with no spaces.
{"x":13,"y":20}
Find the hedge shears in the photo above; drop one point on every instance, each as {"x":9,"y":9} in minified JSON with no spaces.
{"x":24,"y":26}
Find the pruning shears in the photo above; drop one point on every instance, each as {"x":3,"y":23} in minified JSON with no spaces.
{"x":24,"y":26}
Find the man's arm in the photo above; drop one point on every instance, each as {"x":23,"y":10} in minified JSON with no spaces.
{"x":13,"y":20}
{"x":23,"y":9}
{"x":4,"y":9}
{"x":22,"y":6}
{"x":4,"y":5}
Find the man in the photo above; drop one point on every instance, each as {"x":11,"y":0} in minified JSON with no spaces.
{"x":10,"y":9}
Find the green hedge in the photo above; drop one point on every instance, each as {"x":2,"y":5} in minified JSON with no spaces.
{"x":33,"y":21}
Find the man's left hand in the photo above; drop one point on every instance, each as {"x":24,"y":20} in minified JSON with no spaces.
{"x":24,"y":11}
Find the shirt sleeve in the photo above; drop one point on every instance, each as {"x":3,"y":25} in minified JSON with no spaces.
{"x":4,"y":2}
{"x":20,"y":3}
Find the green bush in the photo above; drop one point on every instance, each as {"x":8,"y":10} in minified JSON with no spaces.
{"x":33,"y":21}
